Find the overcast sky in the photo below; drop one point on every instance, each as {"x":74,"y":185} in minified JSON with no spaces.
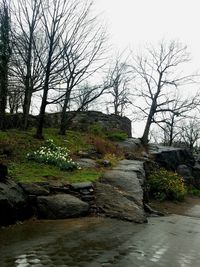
{"x":132,"y":23}
{"x":135,"y":23}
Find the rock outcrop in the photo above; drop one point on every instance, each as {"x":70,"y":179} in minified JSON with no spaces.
{"x":170,"y":157}
{"x":14,"y":204}
{"x":119,"y":193}
{"x":179,"y":160}
{"x":83,"y":121}
{"x":114,"y":203}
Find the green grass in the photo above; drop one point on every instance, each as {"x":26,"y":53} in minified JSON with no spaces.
{"x":74,"y":141}
{"x":22,"y":142}
{"x":19,"y":143}
{"x":34,"y":172}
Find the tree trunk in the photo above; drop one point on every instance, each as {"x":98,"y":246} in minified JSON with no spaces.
{"x":4,"y":90}
{"x":39,"y":133}
{"x":63,"y":123}
{"x":28,"y":87}
{"x":4,"y":60}
{"x":26,"y":108}
{"x":145,"y":135}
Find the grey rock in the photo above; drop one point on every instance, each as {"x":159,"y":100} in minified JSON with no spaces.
{"x":87,"y":163}
{"x":170,"y":157}
{"x":130,"y":145}
{"x":13,"y":203}
{"x":112,"y":202}
{"x":35,"y":189}
{"x":83,"y":154}
{"x":79,"y":186}
{"x":133,"y":166}
{"x":184,"y":171}
{"x":128,"y":182}
{"x":60,"y":206}
{"x":106,"y":163}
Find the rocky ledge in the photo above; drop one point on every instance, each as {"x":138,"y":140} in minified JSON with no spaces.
{"x":118,"y":194}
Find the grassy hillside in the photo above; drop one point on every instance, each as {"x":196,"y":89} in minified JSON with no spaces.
{"x":15,"y":144}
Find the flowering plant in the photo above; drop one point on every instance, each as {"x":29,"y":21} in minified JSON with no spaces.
{"x":53,"y":155}
{"x":167,"y":185}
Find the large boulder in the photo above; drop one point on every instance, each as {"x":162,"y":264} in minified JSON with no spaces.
{"x":112,"y":202}
{"x":13,"y":203}
{"x":170,"y":157}
{"x":60,"y":206}
{"x":130,"y":145}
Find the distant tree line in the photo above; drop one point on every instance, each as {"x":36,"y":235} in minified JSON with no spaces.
{"x":54,"y":49}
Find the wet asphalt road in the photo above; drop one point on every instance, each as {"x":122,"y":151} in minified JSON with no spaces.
{"x":93,"y":242}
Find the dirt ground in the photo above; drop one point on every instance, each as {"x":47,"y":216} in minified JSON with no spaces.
{"x":181,"y":208}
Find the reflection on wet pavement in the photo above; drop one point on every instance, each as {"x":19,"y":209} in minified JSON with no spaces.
{"x":94,"y":242}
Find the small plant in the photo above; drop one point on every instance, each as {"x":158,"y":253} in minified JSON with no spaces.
{"x":53,"y":155}
{"x":166,"y":185}
{"x":194,"y":191}
{"x":97,"y":129}
{"x":104,"y":146}
{"x":109,"y":160}
{"x":117,"y":136}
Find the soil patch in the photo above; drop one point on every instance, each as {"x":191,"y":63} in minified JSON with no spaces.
{"x":176,"y":207}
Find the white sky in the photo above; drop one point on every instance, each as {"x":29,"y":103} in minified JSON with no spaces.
{"x":135,"y":23}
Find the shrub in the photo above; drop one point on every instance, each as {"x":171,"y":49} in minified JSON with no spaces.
{"x":53,"y":155}
{"x":97,"y":129}
{"x":109,"y":160}
{"x":103,"y":146}
{"x":166,"y":185}
{"x":194,"y":191}
{"x":117,"y":136}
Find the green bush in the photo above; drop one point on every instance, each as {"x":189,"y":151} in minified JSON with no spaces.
{"x":97,"y":129}
{"x":117,"y":136}
{"x":194,"y":191}
{"x":166,"y":185}
{"x":53,"y":155}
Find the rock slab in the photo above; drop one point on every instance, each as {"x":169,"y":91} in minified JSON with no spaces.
{"x":127,"y":182}
{"x":60,"y":206}
{"x":113,"y":203}
{"x":119,"y":193}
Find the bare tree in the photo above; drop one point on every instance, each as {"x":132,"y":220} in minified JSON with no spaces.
{"x":56,"y":19}
{"x":85,"y":95}
{"x":173,"y":114}
{"x":83,"y":53}
{"x":15,"y":97}
{"x":5,"y":53}
{"x":190,"y":132}
{"x":119,"y":77}
{"x":158,"y":75}
{"x":26,"y":66}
